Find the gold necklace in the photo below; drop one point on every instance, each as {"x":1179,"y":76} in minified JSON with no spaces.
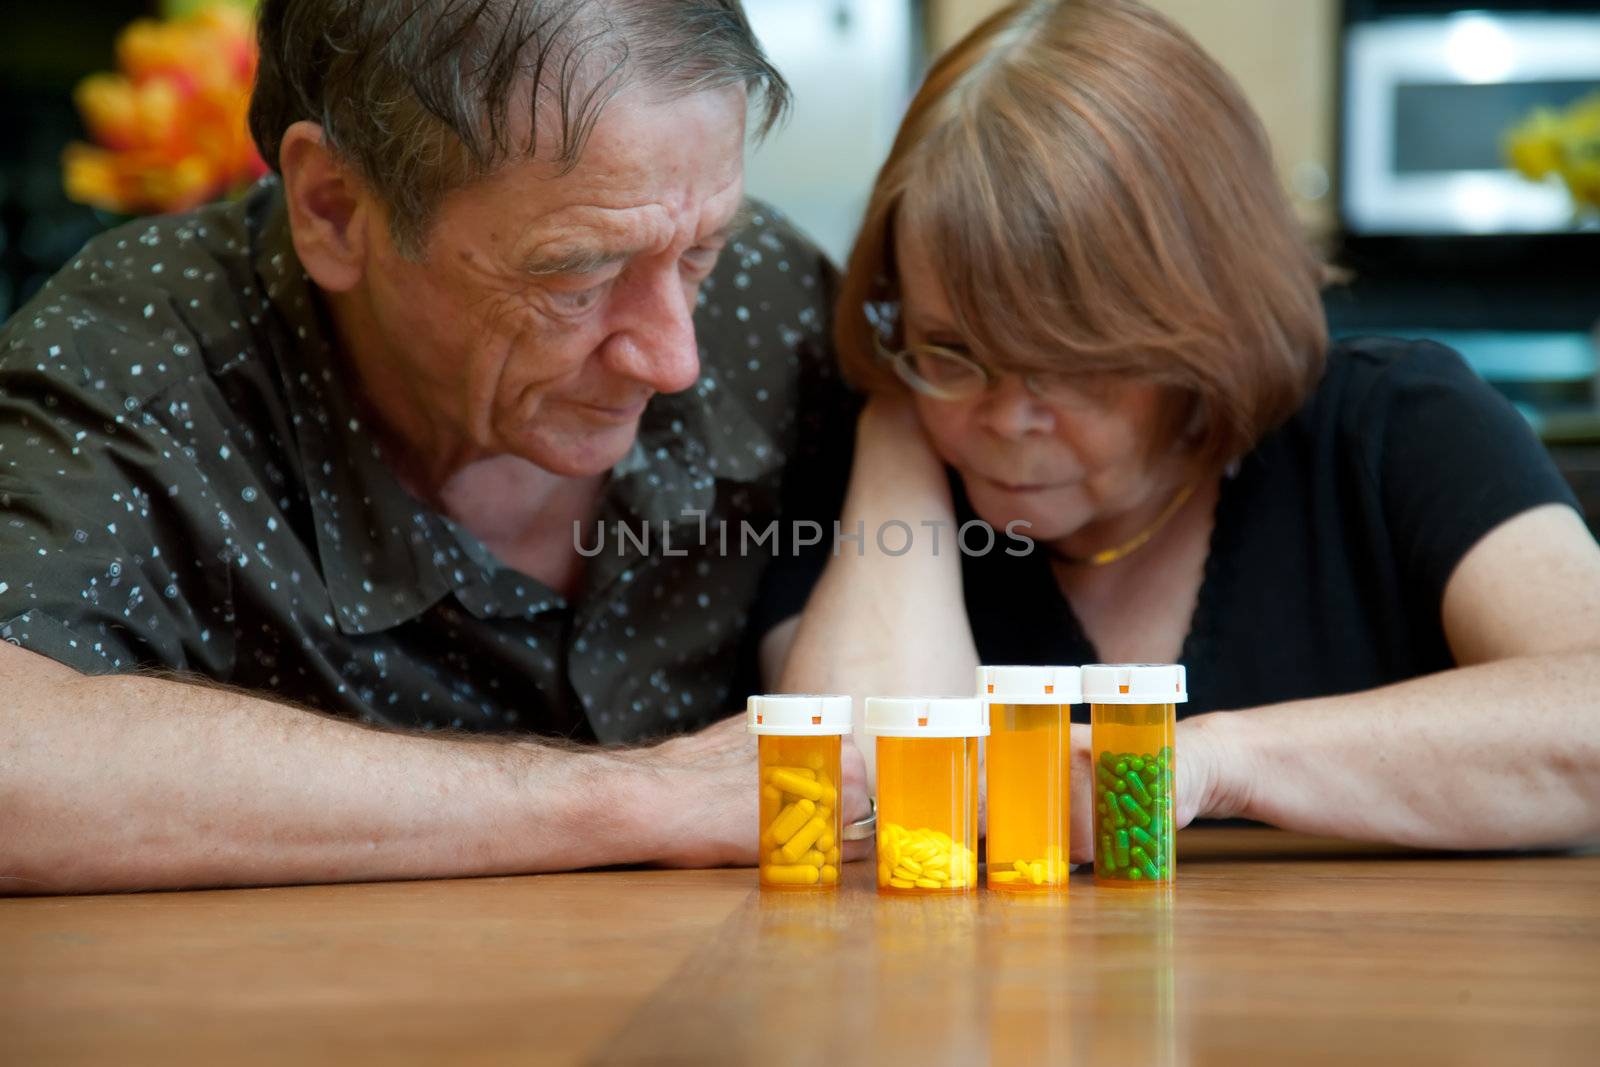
{"x":1132,"y":544}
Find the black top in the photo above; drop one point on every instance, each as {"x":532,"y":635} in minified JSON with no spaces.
{"x":1333,"y":543}
{"x":188,"y":482}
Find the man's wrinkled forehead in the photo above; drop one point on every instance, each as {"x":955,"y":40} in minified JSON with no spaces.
{"x":653,"y":174}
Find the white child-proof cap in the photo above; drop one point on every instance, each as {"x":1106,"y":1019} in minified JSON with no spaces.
{"x":1135,"y":683}
{"x":1030,"y":685}
{"x":927,"y":717}
{"x":798,"y":715}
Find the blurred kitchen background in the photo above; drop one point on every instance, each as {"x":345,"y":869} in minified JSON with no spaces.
{"x":1389,"y":119}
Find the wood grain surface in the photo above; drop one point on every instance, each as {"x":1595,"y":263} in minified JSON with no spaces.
{"x":1272,"y":948}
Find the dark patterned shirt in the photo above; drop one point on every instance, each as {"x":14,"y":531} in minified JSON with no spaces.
{"x":185,"y":483}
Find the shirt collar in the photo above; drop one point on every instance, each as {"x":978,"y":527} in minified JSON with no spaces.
{"x":385,"y":558}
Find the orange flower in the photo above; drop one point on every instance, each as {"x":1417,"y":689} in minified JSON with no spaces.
{"x":169,"y":129}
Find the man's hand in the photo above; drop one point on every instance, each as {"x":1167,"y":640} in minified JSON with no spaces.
{"x":705,"y":791}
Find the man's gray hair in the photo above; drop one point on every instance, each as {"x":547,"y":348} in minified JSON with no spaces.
{"x":425,"y":96}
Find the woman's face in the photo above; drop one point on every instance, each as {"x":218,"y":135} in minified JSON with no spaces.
{"x":1081,"y":462}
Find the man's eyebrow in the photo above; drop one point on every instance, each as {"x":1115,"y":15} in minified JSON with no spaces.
{"x":590,"y":260}
{"x":577,"y":261}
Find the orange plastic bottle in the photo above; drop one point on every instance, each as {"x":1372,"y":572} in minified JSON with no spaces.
{"x":800,"y":739}
{"x":1133,"y":719}
{"x":927,"y":792}
{"x":1029,"y":774}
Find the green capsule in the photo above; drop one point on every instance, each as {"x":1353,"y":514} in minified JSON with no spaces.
{"x":1166,"y":871}
{"x":1103,"y":775}
{"x":1121,"y":768}
{"x":1135,"y":812}
{"x":1122,"y":786}
{"x":1142,"y":859}
{"x":1137,"y":789}
{"x":1136,"y":763}
{"x":1122,"y":848}
{"x":1141,"y":837}
{"x":1100,"y":807}
{"x":1133,"y":875}
{"x":1103,"y":858}
{"x":1108,"y":759}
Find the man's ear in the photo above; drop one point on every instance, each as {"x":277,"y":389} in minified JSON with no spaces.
{"x":329,"y":208}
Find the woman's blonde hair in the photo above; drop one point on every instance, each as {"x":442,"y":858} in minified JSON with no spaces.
{"x":1098,"y":197}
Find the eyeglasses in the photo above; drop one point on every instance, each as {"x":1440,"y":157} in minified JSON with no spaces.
{"x":945,"y":374}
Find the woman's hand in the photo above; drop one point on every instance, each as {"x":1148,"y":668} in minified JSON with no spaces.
{"x":1195,"y":784}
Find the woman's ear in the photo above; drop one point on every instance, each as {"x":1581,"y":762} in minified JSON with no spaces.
{"x":329,"y":208}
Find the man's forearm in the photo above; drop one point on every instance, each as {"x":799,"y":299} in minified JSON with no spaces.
{"x":1499,"y":755}
{"x":141,"y":783}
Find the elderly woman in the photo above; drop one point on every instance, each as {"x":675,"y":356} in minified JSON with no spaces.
{"x":1084,"y":313}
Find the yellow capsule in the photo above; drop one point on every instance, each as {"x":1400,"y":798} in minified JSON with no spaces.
{"x":1003,"y":876}
{"x":1036,"y":873}
{"x":775,"y":858}
{"x":910,"y":864}
{"x":825,"y":842}
{"x":825,"y":813}
{"x":883,"y":873}
{"x":801,"y":842}
{"x":955,"y":883}
{"x":796,"y":874}
{"x":1022,"y":868}
{"x":815,"y":858}
{"x":898,"y":832}
{"x":910,"y":876}
{"x":816,"y":762}
{"x":936,"y":876}
{"x":901,"y":883}
{"x":790,"y":820}
{"x":803,"y":772}
{"x":926,"y":883}
{"x":832,"y":855}
{"x":830,"y":874}
{"x":771,"y":795}
{"x":791,"y":782}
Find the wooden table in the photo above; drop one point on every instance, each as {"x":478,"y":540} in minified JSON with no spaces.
{"x":1272,"y":949}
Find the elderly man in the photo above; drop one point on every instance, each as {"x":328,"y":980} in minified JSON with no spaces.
{"x":289,"y":484}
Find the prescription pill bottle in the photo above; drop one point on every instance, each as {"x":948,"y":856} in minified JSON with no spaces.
{"x":1029,"y":774}
{"x":1133,"y":718}
{"x":927,"y":752}
{"x":799,"y":739}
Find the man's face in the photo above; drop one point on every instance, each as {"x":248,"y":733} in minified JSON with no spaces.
{"x":549,"y":308}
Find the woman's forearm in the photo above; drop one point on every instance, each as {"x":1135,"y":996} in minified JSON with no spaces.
{"x":1498,"y":755}
{"x":878,"y":623}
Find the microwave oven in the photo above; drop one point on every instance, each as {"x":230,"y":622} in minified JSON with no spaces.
{"x":1426,"y":105}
